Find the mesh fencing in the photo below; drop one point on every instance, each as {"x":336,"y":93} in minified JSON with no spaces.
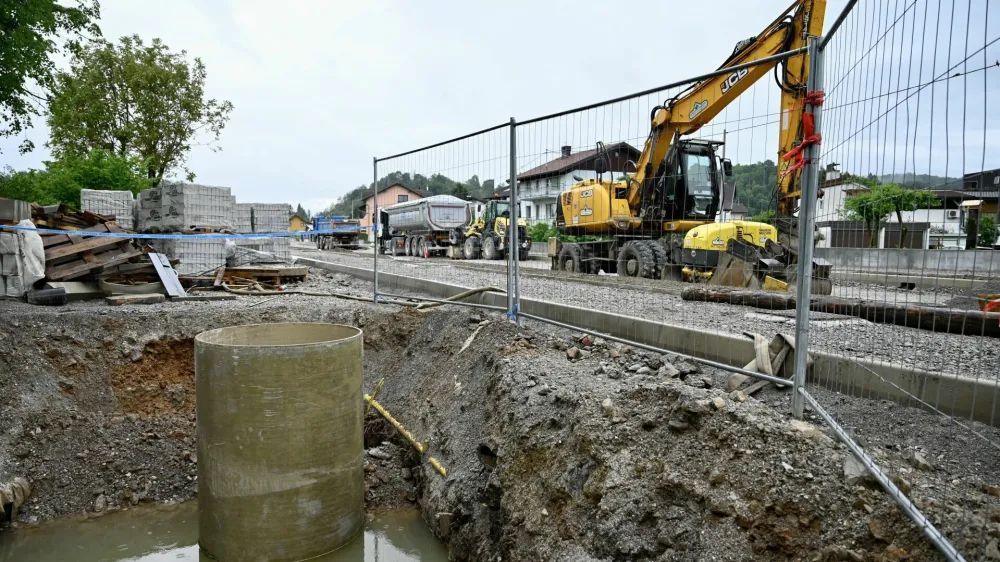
{"x":905,"y":188}
{"x":445,"y":218}
{"x":681,"y":218}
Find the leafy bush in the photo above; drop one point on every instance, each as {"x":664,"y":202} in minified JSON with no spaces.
{"x":62,"y":180}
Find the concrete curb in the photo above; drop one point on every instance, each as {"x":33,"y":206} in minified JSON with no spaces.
{"x":921,"y":281}
{"x":967,"y":397}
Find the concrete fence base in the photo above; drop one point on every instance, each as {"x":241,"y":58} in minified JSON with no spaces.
{"x":968,"y":398}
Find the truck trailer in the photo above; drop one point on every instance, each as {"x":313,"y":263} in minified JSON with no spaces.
{"x":424,"y":227}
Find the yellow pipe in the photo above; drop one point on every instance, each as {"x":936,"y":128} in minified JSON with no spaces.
{"x":437,"y":466}
{"x":399,"y":427}
{"x":378,"y":388}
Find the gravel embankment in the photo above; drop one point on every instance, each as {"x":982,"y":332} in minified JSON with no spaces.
{"x":968,"y":356}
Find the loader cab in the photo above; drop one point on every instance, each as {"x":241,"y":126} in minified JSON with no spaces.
{"x":494,"y":210}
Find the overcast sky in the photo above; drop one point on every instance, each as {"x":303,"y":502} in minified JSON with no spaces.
{"x":321,"y":87}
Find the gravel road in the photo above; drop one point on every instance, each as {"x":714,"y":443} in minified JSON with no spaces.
{"x":968,"y":356}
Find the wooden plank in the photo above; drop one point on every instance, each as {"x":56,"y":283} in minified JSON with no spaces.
{"x":195,"y":297}
{"x":55,"y":239}
{"x":118,"y":300}
{"x":76,"y":269}
{"x":219,"y":276}
{"x":89,"y":244}
{"x":167,"y":275}
{"x":260,"y":271}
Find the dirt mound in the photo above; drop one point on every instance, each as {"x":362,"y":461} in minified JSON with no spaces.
{"x":161,"y":381}
{"x":607,"y":453}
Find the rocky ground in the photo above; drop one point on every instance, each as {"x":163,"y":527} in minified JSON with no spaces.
{"x":976,"y":357}
{"x":556,"y":447}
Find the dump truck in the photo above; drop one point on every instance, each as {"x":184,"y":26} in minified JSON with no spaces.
{"x":347,"y":233}
{"x":424,"y":227}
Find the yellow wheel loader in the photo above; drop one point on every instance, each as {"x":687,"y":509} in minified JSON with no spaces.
{"x":487,"y":236}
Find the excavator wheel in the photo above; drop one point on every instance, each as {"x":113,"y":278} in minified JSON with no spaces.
{"x":570,"y":258}
{"x":590,"y":264}
{"x":636,"y":259}
{"x":490,"y":248}
{"x":660,"y":255}
{"x":470,"y":250}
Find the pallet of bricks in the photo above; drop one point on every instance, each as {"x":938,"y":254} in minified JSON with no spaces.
{"x":183,"y":208}
{"x":117,"y":205}
{"x":264,"y":218}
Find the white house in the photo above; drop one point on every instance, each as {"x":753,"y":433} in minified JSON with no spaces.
{"x":539,"y":187}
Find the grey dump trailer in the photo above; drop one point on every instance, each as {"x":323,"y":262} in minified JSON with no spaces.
{"x":424,"y":227}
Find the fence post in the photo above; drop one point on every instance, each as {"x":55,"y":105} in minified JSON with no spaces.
{"x":807,"y":217}
{"x":375,"y":229}
{"x":513,"y":245}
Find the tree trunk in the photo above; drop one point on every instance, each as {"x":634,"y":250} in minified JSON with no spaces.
{"x":902,"y":230}
{"x":966,"y":322}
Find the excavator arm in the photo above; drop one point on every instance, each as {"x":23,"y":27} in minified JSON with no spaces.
{"x":696,"y":106}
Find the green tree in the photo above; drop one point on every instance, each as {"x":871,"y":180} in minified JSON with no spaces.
{"x":899,"y":199}
{"x":62,"y":180}
{"x":766,"y":217}
{"x":880,"y":200}
{"x":135,"y":100}
{"x":460,"y":191}
{"x":987,"y":230}
{"x":29,"y":30}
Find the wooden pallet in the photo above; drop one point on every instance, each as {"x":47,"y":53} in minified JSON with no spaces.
{"x":71,"y":257}
{"x":275,"y":275}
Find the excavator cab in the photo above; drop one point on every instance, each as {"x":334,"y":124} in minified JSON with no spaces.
{"x":687,"y":185}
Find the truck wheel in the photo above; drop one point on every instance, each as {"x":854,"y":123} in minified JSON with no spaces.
{"x":570,"y":259}
{"x":409,"y":245}
{"x":422,"y":250}
{"x":395,"y":247}
{"x":490,"y":249}
{"x":470,"y":250}
{"x":635,"y":259}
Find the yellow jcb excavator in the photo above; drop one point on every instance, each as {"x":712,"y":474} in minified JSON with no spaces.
{"x":660,"y":221}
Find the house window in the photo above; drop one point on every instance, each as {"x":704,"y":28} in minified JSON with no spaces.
{"x":548,"y":182}
{"x":402,"y":198}
{"x":551,"y":208}
{"x":527,"y":212}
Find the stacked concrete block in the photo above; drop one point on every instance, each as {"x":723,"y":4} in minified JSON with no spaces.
{"x":249,"y":251}
{"x":271,"y":217}
{"x":120,"y":204}
{"x":196,"y":255}
{"x":10,"y":279}
{"x":178,"y":207}
{"x":243,"y":221}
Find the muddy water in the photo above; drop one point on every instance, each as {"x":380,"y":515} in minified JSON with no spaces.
{"x":170,"y":533}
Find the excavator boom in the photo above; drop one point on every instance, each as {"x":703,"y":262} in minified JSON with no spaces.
{"x":699,"y":104}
